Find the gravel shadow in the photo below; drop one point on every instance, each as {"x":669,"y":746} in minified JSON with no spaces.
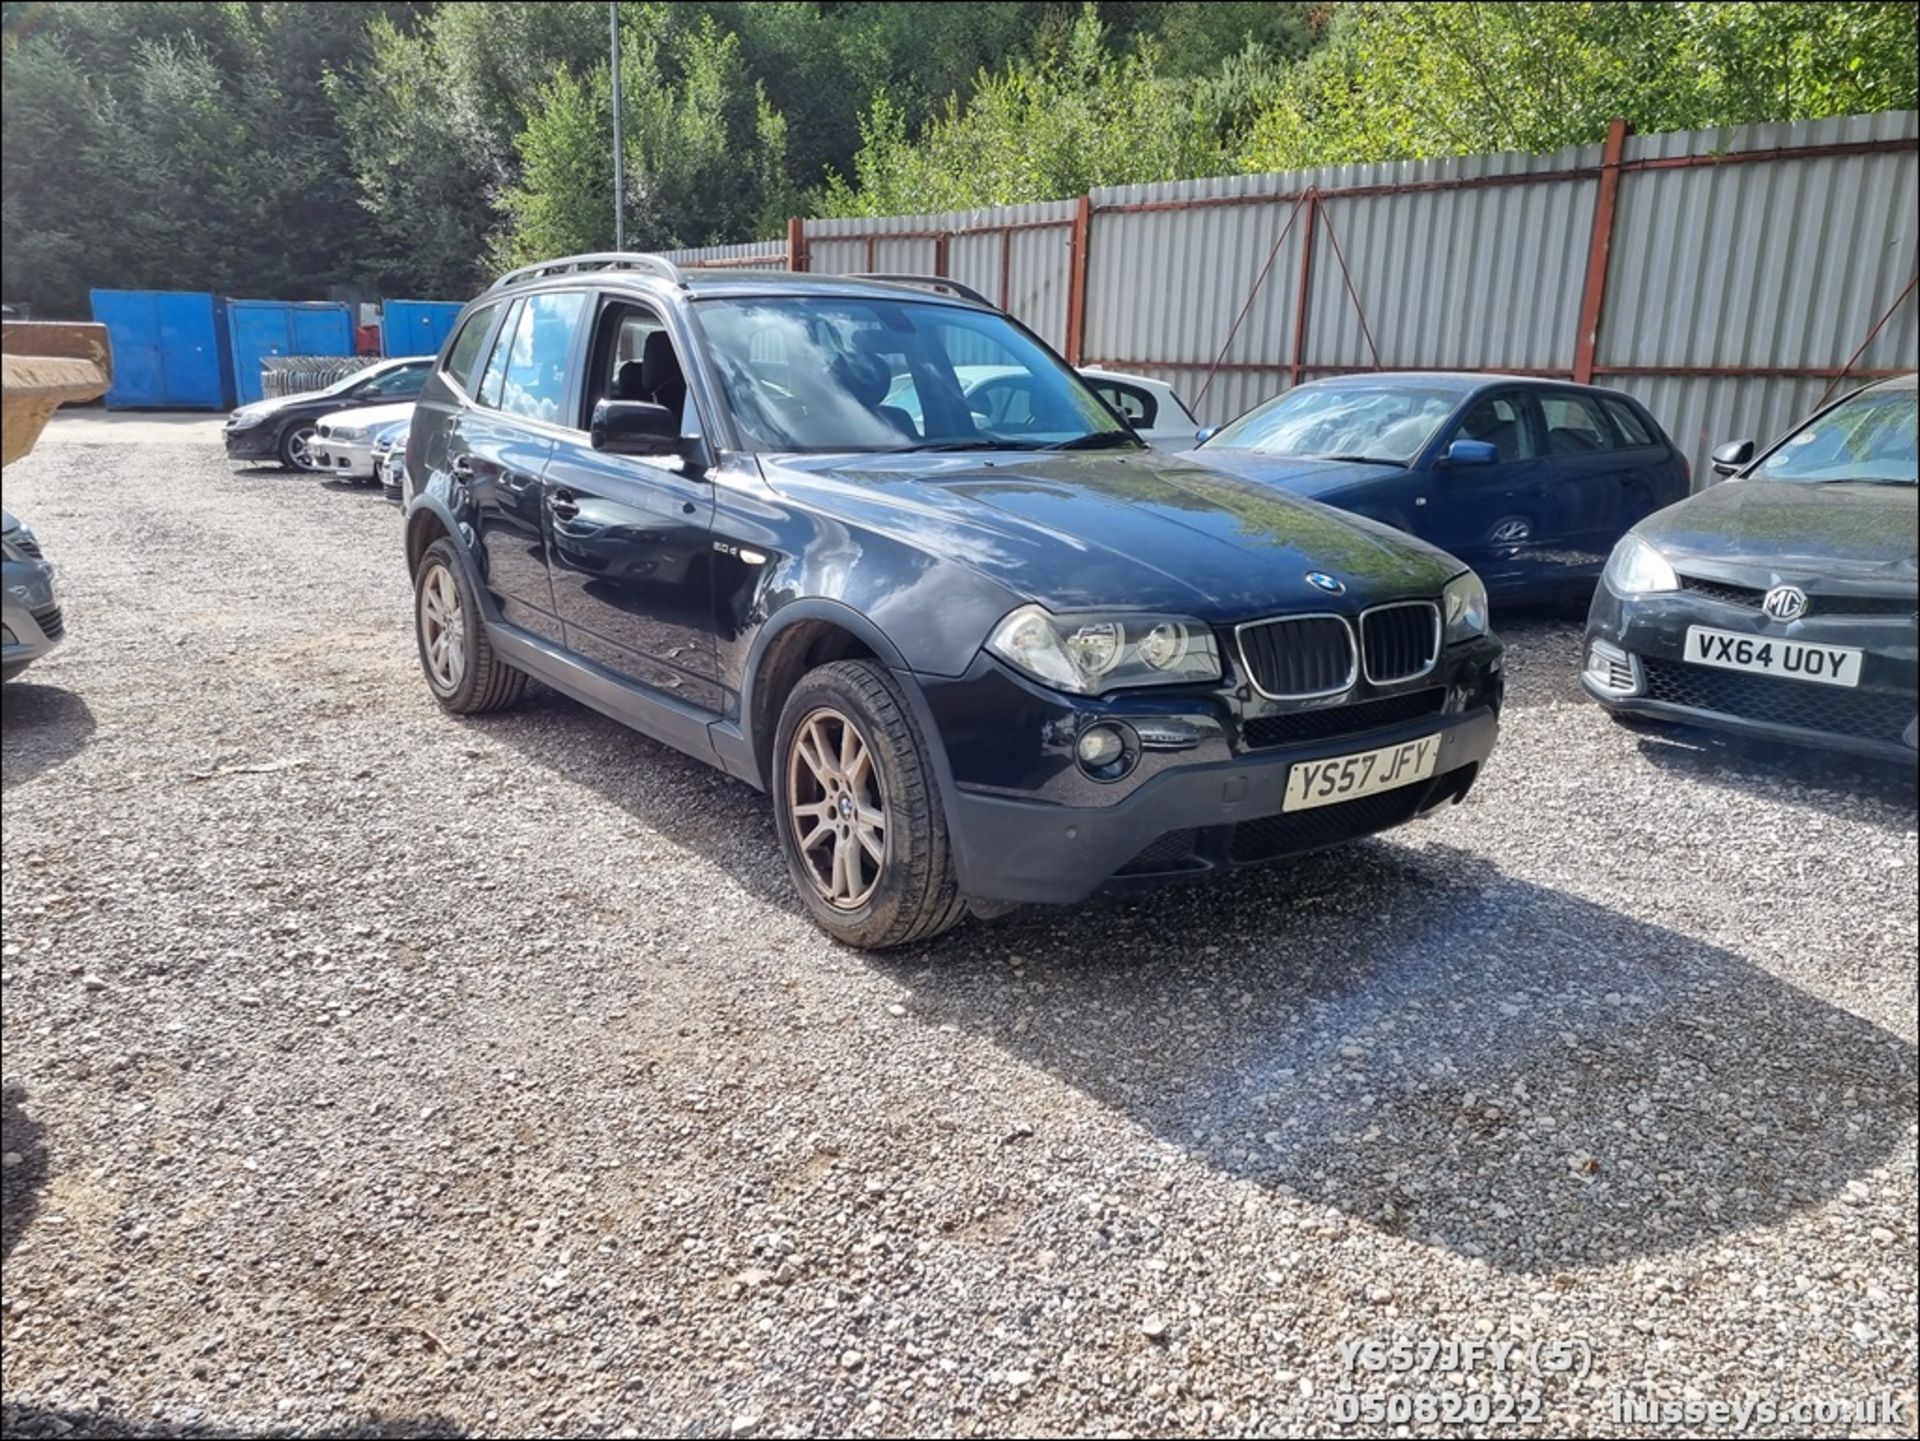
{"x":21,"y":1180}
{"x":687,"y":802}
{"x":43,"y":726}
{"x":357,"y":489}
{"x":25,"y":1419}
{"x":1477,"y":1063}
{"x":1879,"y":792}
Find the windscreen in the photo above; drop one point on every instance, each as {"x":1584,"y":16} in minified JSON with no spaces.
{"x":839,"y":374}
{"x":1370,"y":422}
{"x":1869,"y":437}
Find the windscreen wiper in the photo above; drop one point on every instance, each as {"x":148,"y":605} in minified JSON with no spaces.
{"x":1099,"y":440}
{"x":1865,"y":480}
{"x":982,"y":444}
{"x":1365,"y":459}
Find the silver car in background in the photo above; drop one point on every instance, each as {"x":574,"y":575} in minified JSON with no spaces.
{"x":390,"y":460}
{"x":343,"y":442}
{"x":31,"y":615}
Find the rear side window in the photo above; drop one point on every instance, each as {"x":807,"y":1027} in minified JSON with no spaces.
{"x":539,"y":350}
{"x":1137,"y":405}
{"x":403,"y":382}
{"x":465,"y":354}
{"x":495,"y":378}
{"x":1626,"y":420}
{"x":1575,"y":425}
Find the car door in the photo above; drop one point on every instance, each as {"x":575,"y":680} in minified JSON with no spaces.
{"x":1490,"y":515}
{"x":630,"y":536}
{"x":1656,"y":476}
{"x":1598,"y":476}
{"x":501,"y":444}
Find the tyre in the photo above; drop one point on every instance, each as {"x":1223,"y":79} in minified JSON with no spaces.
{"x":858,"y":810}
{"x":294,"y":441}
{"x":462,"y":671}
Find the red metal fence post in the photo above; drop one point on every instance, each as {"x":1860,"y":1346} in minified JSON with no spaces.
{"x":796,"y":243}
{"x":1593,"y":296}
{"x":940,"y":253}
{"x":1300,"y":300}
{"x":1006,"y":270}
{"x":1077,"y":278}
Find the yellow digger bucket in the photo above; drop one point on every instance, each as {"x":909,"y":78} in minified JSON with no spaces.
{"x":48,"y":363}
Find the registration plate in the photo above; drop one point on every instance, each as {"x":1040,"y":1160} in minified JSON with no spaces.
{"x":1366,"y":773}
{"x":1763,"y":655}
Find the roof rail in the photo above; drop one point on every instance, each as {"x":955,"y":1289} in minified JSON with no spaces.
{"x":599,"y":260}
{"x":931,"y":282}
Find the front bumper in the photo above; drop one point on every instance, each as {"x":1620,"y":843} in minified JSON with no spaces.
{"x":252,"y":442}
{"x":30,"y":615}
{"x":1027,"y":825}
{"x":1655,"y":680}
{"x":343,"y":459}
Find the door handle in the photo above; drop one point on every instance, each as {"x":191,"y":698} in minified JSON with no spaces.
{"x":462,"y":467}
{"x":563,"y":504}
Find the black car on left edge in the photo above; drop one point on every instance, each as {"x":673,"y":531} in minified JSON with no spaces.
{"x":279,"y":429}
{"x":1780,"y":603}
{"x":973,"y":661}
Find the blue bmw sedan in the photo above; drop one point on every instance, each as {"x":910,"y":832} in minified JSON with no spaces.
{"x":1531,"y":482}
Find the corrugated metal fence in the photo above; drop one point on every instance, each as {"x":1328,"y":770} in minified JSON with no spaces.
{"x":1725,"y":277}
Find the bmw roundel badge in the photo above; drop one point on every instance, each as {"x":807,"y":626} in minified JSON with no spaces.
{"x":1332,"y":585}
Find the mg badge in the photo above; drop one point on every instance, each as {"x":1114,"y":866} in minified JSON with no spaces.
{"x":1785,"y":602}
{"x":1330,"y":584}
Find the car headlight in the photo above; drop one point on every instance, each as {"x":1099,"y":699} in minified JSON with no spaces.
{"x":1465,"y":604}
{"x":1636,"y":568}
{"x":348,"y":432}
{"x":1089,"y":654}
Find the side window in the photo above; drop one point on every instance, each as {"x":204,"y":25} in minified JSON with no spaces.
{"x":401,"y":383}
{"x":465,"y":354}
{"x":539,"y":353}
{"x":1626,"y":420}
{"x":1501,"y":421}
{"x":1575,"y":425}
{"x":495,"y":378}
{"x":1137,"y":405}
{"x":634,"y":359}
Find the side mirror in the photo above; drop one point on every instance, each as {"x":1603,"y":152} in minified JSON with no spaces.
{"x":635,"y":427}
{"x":1472,"y":452}
{"x":1205,"y":434}
{"x":1732,"y":458}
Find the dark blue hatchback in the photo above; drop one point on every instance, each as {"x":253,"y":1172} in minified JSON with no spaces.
{"x":1530,"y":482}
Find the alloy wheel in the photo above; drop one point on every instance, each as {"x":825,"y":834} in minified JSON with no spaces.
{"x":836,"y":808}
{"x":298,"y":443}
{"x":443,"y":629}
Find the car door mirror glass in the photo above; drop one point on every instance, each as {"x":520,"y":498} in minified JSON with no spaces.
{"x":1472,"y":452}
{"x":1732,"y":457}
{"x":634,"y":427}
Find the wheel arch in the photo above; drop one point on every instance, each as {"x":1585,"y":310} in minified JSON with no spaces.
{"x":799,"y":637}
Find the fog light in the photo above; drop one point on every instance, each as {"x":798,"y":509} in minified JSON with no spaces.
{"x":1612,"y":669}
{"x":1100,"y":747}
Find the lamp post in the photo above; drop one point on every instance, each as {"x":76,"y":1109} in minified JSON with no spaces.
{"x":619,"y":148}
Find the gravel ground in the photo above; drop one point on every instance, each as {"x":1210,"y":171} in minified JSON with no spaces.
{"x":373,"y":1072}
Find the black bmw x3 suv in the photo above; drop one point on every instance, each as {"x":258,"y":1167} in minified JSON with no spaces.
{"x":976,"y":658}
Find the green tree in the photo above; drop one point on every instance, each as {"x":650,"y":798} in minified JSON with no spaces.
{"x":1077,"y":117}
{"x":1408,"y":80}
